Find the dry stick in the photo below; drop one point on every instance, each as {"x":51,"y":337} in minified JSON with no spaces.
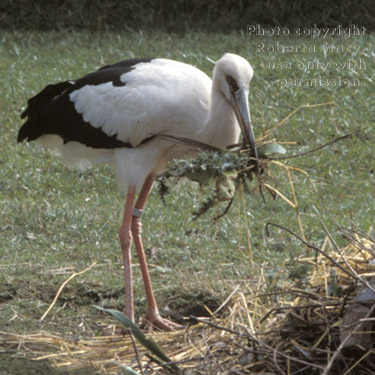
{"x":216,"y":218}
{"x":63,"y":286}
{"x":248,"y":235}
{"x":239,"y":221}
{"x":358,"y":231}
{"x":310,"y":151}
{"x":296,"y":205}
{"x":275,"y":351}
{"x":282,"y":354}
{"x":216,"y":326}
{"x":358,"y":362}
{"x":211,"y":354}
{"x":311,"y":246}
{"x":353,"y":240}
{"x":350,"y":238}
{"x":364,"y":281}
{"x":338,"y":350}
{"x":343,"y":342}
{"x":282,"y":122}
{"x":255,"y":339}
{"x":135,"y":350}
{"x":228,"y":299}
{"x":201,"y":358}
{"x":311,"y":305}
{"x":356,"y":276}
{"x":281,"y":195}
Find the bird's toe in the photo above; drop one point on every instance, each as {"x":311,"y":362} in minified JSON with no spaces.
{"x":157,"y":322}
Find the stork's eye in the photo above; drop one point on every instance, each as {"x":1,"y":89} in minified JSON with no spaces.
{"x":232,"y":83}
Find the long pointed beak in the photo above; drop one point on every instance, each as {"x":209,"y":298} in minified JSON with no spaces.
{"x":241,"y":108}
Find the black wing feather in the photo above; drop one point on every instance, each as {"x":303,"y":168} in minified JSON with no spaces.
{"x":52,"y":112}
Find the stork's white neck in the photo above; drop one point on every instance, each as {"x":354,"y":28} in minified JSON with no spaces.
{"x":221,"y":128}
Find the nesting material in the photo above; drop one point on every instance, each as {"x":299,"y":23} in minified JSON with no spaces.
{"x":325,"y":327}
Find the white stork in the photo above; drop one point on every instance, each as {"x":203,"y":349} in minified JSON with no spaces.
{"x":119,"y":114}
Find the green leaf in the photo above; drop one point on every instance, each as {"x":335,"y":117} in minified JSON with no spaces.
{"x":271,"y":149}
{"x":225,"y":188}
{"x":148,"y":343}
{"x":200,"y":175}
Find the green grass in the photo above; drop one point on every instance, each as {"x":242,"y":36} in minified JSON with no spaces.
{"x":55,"y":221}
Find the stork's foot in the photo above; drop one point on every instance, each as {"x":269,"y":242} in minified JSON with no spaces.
{"x":157,"y":322}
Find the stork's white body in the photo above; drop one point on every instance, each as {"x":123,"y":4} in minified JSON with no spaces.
{"x":119,"y":115}
{"x":163,"y":97}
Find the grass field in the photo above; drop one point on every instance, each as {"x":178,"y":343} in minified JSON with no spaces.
{"x":55,"y":221}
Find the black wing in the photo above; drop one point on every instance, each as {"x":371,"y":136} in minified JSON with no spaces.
{"x":52,"y":112}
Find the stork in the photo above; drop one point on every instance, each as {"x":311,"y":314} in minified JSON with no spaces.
{"x":121,"y":114}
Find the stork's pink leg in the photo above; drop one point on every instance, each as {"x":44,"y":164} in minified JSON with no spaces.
{"x":126,"y":242}
{"x":152,"y":315}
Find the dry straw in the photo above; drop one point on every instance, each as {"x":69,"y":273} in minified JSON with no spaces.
{"x":287,"y":331}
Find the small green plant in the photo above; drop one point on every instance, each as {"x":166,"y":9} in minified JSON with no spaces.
{"x":148,"y":343}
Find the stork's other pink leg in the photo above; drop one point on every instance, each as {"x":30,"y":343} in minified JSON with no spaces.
{"x":126,"y":242}
{"x":153,"y":315}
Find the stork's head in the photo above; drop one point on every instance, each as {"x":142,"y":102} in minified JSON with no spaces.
{"x":232,"y":75}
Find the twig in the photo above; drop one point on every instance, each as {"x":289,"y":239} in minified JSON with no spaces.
{"x":358,"y":231}
{"x":228,"y":299}
{"x":357,"y":362}
{"x":283,"y":121}
{"x":350,"y":238}
{"x":311,"y":246}
{"x":216,"y":218}
{"x":189,"y":142}
{"x":363,"y":281}
{"x":135,"y":350}
{"x":271,"y":349}
{"x":275,"y":351}
{"x":310,"y":151}
{"x":201,"y":358}
{"x":63,"y":286}
{"x":343,"y":342}
{"x":256,"y":340}
{"x":210,"y":353}
{"x":297,"y":307}
{"x":216,"y":326}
